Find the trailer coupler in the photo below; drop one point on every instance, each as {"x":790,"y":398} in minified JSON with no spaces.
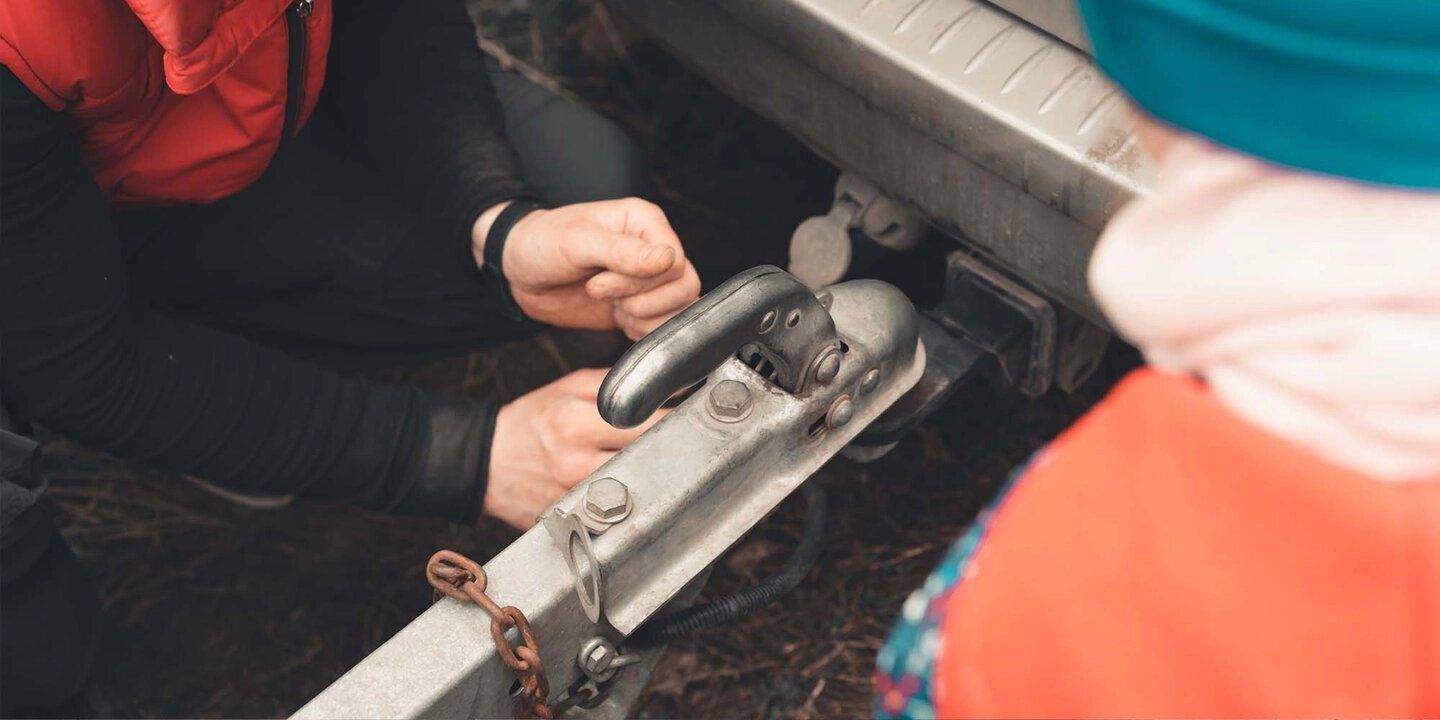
{"x":790,"y":378}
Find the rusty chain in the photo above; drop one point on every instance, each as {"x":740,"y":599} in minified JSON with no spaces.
{"x":456,"y":576}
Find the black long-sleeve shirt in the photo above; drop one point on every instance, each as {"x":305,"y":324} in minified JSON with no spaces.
{"x":82,"y":355}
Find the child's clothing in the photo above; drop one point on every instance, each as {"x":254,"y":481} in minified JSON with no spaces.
{"x":1165,"y":558}
{"x":1251,"y":526}
{"x":1342,"y":87}
{"x":1309,"y":305}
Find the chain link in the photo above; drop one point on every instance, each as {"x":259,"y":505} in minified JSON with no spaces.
{"x":455,"y":576}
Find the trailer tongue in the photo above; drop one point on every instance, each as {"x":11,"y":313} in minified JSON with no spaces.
{"x":790,"y":379}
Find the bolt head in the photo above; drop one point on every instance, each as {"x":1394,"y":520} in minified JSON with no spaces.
{"x":828,"y":366}
{"x":841,"y":412}
{"x":871,"y":380}
{"x":730,"y":400}
{"x":607,"y":499}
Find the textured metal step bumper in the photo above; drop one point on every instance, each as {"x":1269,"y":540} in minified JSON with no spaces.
{"x":1004,"y":135}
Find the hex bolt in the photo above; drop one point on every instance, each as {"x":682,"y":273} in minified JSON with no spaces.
{"x":870,"y":381}
{"x":600,"y":660}
{"x":828,"y":366}
{"x":607,"y":500}
{"x":841,"y":412}
{"x":730,"y":401}
{"x":596,"y":656}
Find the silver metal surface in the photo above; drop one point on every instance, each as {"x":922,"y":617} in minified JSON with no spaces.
{"x":730,"y":401}
{"x":607,"y":500}
{"x":1057,"y":17}
{"x":737,"y":314}
{"x":1003,"y":135}
{"x":698,"y":486}
{"x":828,"y":366}
{"x":870,"y":380}
{"x":821,"y":248}
{"x":841,"y":412}
{"x":571,"y":536}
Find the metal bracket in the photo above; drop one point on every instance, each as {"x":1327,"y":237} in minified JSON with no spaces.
{"x":572,"y":538}
{"x":1002,"y":317}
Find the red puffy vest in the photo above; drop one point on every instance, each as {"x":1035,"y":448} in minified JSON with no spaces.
{"x":171,"y":101}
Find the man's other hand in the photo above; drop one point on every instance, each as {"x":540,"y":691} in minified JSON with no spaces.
{"x":599,"y":265}
{"x":546,"y":442}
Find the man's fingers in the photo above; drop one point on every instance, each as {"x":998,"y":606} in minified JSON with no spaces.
{"x":609,"y":285}
{"x":625,"y":254}
{"x":665,"y":300}
{"x":638,"y":328}
{"x":588,"y":463}
{"x":647,"y":220}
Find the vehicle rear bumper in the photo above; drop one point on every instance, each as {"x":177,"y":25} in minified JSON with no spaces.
{"x":1003,"y":135}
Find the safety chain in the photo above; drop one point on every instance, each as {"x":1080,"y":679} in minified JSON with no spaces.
{"x":456,"y":576}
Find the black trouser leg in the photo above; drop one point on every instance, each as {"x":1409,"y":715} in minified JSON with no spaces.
{"x":50,"y":622}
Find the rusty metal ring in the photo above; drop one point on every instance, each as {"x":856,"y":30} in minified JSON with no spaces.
{"x":528,"y":654}
{"x":502,"y":646}
{"x":520,"y":621}
{"x":456,"y":576}
{"x":490,"y":607}
{"x":443,"y":578}
{"x":534,"y":683}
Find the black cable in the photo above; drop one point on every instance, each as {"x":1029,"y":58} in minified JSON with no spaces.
{"x":729,"y":608}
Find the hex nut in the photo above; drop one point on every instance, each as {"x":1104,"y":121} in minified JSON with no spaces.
{"x":730,"y":401}
{"x":607,"y":500}
{"x":598,"y":659}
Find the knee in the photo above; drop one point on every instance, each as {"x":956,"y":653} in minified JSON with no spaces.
{"x":571,"y":154}
{"x":612,"y":167}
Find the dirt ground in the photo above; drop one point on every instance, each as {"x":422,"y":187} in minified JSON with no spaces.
{"x":220,"y":610}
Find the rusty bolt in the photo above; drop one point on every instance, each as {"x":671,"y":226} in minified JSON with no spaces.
{"x":607,"y":500}
{"x":730,"y":401}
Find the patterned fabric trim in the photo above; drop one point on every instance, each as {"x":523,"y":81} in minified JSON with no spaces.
{"x":904,"y":667}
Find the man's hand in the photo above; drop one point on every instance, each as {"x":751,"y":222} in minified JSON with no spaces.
{"x":546,"y":442}
{"x":599,"y":265}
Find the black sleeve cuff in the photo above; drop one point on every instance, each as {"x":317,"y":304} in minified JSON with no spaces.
{"x":454,"y":465}
{"x":495,"y":239}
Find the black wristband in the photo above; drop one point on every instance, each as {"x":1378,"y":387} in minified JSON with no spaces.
{"x":495,"y":247}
